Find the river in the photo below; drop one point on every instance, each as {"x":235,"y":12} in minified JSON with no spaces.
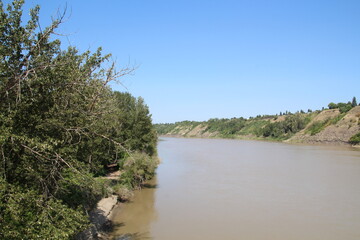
{"x":232,"y":189}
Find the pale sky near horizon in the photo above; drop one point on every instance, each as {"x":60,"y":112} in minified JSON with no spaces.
{"x":221,"y":59}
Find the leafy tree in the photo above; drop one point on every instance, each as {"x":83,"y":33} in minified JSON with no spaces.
{"x":59,"y":127}
{"x":135,"y":124}
{"x":283,"y":129}
{"x":343,"y":107}
{"x":332,"y":105}
{"x":354,"y":102}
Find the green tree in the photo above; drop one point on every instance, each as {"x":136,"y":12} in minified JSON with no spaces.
{"x":354,"y":102}
{"x":134,"y":124}
{"x":332,"y":105}
{"x":57,"y":129}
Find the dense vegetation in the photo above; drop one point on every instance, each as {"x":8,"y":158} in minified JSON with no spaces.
{"x":60,"y":126}
{"x":286,"y":128}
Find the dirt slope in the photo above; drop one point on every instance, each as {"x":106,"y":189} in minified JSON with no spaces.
{"x":338,"y":133}
{"x":191,"y":131}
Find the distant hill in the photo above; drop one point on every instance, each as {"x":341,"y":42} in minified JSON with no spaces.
{"x":338,"y":125}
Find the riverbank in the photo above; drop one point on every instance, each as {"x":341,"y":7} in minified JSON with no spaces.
{"x":100,"y":217}
{"x":329,"y":127}
{"x":100,"y":220}
{"x":120,"y":186}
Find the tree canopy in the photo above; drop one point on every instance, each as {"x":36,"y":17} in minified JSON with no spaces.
{"x":60,"y":125}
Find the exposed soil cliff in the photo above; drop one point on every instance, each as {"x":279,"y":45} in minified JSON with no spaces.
{"x":337,"y":133}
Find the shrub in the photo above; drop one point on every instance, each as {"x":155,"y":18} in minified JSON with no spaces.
{"x":26,"y":214}
{"x":285,"y":129}
{"x":343,"y":107}
{"x":355,"y":139}
{"x":316,"y":127}
{"x":124,"y":193}
{"x":138,"y":168}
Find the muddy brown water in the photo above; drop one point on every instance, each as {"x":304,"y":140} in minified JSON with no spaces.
{"x":251,"y":190}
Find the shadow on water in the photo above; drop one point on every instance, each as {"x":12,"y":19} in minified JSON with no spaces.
{"x":132,"y":220}
{"x":149,"y":185}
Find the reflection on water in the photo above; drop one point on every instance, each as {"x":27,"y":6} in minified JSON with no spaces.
{"x":132,"y":220}
{"x":229,"y":189}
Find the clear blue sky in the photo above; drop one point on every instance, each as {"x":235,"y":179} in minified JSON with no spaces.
{"x":205,"y":59}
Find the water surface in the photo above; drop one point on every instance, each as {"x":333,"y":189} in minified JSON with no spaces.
{"x":251,"y":190}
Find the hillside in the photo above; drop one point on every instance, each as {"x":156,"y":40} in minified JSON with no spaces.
{"x":333,"y":127}
{"x":329,"y":126}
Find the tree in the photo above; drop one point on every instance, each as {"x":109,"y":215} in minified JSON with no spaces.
{"x":37,"y":85}
{"x":135,"y":123}
{"x":57,"y":129}
{"x":354,"y":102}
{"x":332,"y":105}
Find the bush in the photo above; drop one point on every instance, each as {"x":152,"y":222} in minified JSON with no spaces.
{"x":316,"y":127}
{"x":355,"y":139}
{"x":81,"y":189}
{"x":286,"y":128}
{"x":343,"y":107}
{"x":138,"y":168}
{"x":26,"y":214}
{"x":124,"y":193}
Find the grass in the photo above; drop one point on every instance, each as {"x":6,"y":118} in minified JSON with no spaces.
{"x":318,"y":126}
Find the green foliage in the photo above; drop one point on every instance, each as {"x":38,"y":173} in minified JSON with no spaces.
{"x":138,"y":168}
{"x":318,"y":126}
{"x":343,"y":107}
{"x":337,"y":118}
{"x":253,"y":127}
{"x":225,"y":127}
{"x":80,"y":189}
{"x":354,"y":102}
{"x":355,"y":139}
{"x":134,"y":124}
{"x":285,"y":129}
{"x":164,"y":128}
{"x":261,"y":126}
{"x":332,"y":105}
{"x":60,"y":125}
{"x":26,"y":214}
{"x":173,"y":128}
{"x":124,"y":192}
